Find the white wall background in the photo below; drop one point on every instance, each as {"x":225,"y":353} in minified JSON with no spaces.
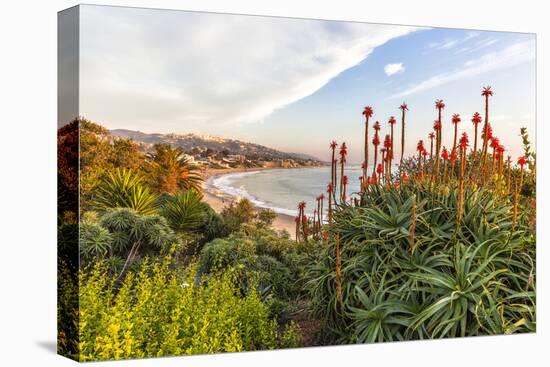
{"x":28,"y":181}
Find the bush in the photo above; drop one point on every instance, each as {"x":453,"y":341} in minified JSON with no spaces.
{"x":160,"y":310}
{"x":446,"y":280}
{"x":261,"y":255}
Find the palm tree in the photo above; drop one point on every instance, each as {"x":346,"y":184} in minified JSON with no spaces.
{"x":403,"y":108}
{"x":367,"y":112}
{"x":456,"y":119}
{"x":476,"y":119}
{"x":487,"y":92}
{"x":376,"y":143}
{"x":171,"y":170}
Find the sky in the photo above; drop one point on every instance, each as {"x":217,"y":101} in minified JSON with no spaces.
{"x":297,"y":84}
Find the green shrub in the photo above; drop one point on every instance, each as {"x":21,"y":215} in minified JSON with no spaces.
{"x":159,"y":310}
{"x":124,"y":188}
{"x":261,"y":255}
{"x":449,"y":280}
{"x":291,"y":336}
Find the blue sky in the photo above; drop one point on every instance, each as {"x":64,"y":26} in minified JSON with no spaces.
{"x":296,"y":84}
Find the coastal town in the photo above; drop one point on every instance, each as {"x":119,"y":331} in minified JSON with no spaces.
{"x":208,"y":152}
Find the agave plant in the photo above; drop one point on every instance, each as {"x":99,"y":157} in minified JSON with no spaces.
{"x":123,"y":188}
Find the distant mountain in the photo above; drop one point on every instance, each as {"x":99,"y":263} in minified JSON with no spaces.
{"x":191,"y":142}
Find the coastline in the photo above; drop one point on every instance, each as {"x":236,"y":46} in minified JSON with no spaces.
{"x":218,"y":200}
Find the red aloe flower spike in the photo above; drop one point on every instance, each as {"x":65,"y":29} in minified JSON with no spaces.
{"x":522,"y":161}
{"x":456,"y":119}
{"x":486,"y":92}
{"x":495,"y":142}
{"x":403,"y":108}
{"x":343,"y":154}
{"x":445,"y":156}
{"x":439,"y":105}
{"x":330,"y":196}
{"x":476,"y":119}
{"x":334,"y":162}
{"x":345,"y":183}
{"x":367,"y":112}
{"x":420,"y":149}
{"x":431,"y":136}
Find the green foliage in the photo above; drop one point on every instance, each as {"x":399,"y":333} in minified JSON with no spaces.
{"x":260,"y":255}
{"x":169,"y":170}
{"x":127,"y":227}
{"x":237,"y":213}
{"x":472,"y":278}
{"x":243,"y":212}
{"x":160,"y":310}
{"x":184,"y":211}
{"x":95,"y":241}
{"x":291,"y":337}
{"x":213,"y":226}
{"x":123,"y":188}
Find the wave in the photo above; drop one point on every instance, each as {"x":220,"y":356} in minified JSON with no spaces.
{"x":224,"y":183}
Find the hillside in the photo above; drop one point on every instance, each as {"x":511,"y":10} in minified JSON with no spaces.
{"x":196,"y":144}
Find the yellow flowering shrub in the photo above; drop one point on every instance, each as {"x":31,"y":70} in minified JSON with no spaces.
{"x":160,"y":310}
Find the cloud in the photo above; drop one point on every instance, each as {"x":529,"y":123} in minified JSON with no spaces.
{"x":512,"y":55}
{"x":451,"y":43}
{"x":391,"y":69}
{"x":477,"y":46}
{"x":174,"y":71}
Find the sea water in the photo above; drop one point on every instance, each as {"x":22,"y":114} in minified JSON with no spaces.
{"x":282,"y":189}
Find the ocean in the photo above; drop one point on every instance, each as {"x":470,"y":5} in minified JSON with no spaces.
{"x":282,"y":189}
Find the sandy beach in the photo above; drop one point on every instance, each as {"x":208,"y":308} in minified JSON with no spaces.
{"x":218,"y":200}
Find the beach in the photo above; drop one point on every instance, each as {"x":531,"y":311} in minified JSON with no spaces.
{"x":218,"y":200}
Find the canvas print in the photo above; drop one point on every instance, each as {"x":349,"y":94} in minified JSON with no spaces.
{"x":234,"y":183}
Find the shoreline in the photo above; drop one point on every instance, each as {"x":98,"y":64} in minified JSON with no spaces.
{"x":218,"y":199}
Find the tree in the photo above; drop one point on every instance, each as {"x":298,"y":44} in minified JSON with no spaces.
{"x":238,"y":213}
{"x":170,"y":171}
{"x":126,"y":154}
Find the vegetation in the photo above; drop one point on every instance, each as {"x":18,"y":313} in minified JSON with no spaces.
{"x":441,"y":244}
{"x":162,"y":310}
